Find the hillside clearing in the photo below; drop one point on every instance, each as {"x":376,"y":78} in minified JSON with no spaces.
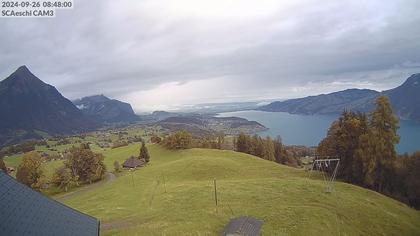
{"x":289,"y":203}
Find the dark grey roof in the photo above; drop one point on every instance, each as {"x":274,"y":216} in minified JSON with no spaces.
{"x":244,"y":226}
{"x":133,"y":162}
{"x":24,"y":211}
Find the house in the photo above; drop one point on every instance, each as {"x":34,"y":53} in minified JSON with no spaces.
{"x":133,"y":162}
{"x":27,"y":212}
{"x":243,"y":226}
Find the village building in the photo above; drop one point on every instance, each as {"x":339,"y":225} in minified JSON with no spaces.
{"x":133,"y":162}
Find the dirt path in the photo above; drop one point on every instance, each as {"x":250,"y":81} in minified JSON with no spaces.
{"x":109,"y":177}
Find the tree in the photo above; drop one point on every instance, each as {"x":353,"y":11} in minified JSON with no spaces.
{"x":411,"y":178}
{"x":63,"y":178}
{"x":220,"y":140}
{"x":178,"y":140}
{"x":117,"y":167}
{"x":144,"y":153}
{"x":384,"y":126}
{"x":3,"y":165}
{"x":29,"y":172}
{"x":241,"y":143}
{"x":84,"y":164}
{"x":342,"y":141}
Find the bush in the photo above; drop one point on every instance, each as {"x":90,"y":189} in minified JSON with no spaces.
{"x":117,"y":167}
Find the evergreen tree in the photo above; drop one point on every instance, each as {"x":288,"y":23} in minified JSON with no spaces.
{"x":144,"y":153}
{"x":117,"y":167}
{"x":241,"y":143}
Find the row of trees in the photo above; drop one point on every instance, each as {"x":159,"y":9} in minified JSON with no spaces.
{"x":80,"y":166}
{"x":178,"y":140}
{"x":23,"y":147}
{"x":265,"y":148}
{"x":366,"y":148}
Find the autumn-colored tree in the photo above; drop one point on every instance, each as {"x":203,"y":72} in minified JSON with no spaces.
{"x":384,"y":126}
{"x":342,"y":141}
{"x":178,"y":140}
{"x":30,"y":172}
{"x":84,"y":164}
{"x":265,"y":148}
{"x":63,"y":178}
{"x":3,"y":165}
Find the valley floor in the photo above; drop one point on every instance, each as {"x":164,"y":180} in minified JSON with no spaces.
{"x":174,"y":195}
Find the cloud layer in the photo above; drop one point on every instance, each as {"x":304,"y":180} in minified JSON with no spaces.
{"x":160,"y":54}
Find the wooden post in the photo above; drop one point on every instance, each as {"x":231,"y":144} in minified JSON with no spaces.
{"x":215,"y":193}
{"x":164,"y":182}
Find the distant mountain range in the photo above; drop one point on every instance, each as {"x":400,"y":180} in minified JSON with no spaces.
{"x":106,"y":110}
{"x":31,"y":108}
{"x":405,"y":100}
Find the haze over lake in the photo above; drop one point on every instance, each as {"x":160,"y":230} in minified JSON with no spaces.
{"x":309,"y":130}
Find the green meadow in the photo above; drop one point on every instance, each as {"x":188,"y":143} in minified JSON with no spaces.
{"x":174,"y":195}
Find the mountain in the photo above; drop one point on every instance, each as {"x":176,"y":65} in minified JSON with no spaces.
{"x":106,"y":110}
{"x":30,"y":108}
{"x":324,"y":103}
{"x":405,"y":100}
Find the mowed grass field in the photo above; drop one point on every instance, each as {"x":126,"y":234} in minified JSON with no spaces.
{"x":174,"y":195}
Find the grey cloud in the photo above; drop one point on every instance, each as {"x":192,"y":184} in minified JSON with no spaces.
{"x":114,"y":48}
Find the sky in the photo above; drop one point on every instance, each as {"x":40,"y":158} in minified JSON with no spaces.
{"x":162,"y":54}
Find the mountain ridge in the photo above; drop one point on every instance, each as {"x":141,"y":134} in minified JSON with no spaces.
{"x":404,"y":99}
{"x":30,"y":107}
{"x":106,"y":110}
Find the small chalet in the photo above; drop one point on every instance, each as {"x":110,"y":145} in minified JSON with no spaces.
{"x":243,"y":226}
{"x":133,"y":162}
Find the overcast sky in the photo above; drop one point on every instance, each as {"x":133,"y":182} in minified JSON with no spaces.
{"x":160,"y":54}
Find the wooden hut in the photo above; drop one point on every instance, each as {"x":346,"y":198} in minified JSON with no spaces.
{"x":133,"y":162}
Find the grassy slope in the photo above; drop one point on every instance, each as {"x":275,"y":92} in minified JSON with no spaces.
{"x":283,"y":197}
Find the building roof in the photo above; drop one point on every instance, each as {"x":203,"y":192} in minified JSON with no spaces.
{"x":133,"y":162}
{"x":24,"y":211}
{"x":243,"y":226}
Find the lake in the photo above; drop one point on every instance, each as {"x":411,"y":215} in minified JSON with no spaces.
{"x":309,"y":130}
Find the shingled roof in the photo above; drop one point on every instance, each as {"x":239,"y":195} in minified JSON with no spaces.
{"x":243,"y":226}
{"x":24,"y":211}
{"x":133,"y":162}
